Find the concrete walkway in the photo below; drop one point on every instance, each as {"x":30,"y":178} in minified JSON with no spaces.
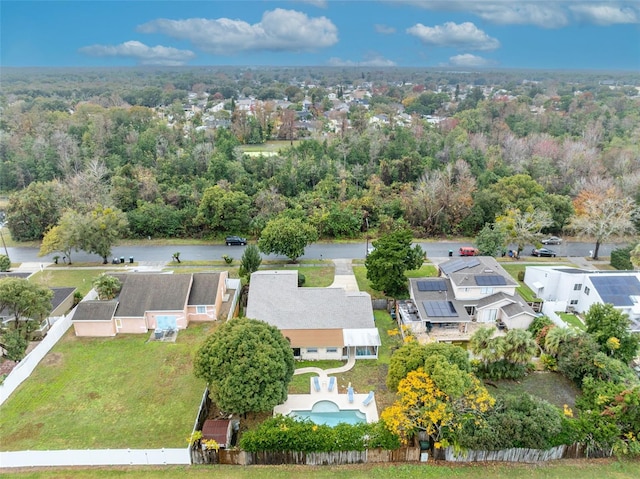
{"x":344,"y":277}
{"x":324,"y":373}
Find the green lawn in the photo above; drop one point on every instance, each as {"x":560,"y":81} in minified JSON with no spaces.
{"x":566,"y":469}
{"x":80,"y":278}
{"x":90,"y":393}
{"x":523,"y":290}
{"x":552,"y":387}
{"x":572,"y":320}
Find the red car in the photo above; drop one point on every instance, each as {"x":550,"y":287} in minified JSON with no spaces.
{"x":469,"y":251}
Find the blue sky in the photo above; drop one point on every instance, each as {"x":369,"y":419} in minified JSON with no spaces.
{"x":456,"y":34}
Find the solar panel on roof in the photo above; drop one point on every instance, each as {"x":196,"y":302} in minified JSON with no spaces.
{"x":490,"y":280}
{"x":453,"y":266}
{"x":432,"y":285}
{"x":472,"y":262}
{"x":440,"y":309}
{"x":616,"y":290}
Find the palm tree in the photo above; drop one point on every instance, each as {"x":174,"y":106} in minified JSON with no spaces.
{"x":519,"y":346}
{"x":555,"y":338}
{"x":483,"y":344}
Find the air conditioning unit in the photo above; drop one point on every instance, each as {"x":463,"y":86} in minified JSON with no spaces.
{"x":570,"y":309}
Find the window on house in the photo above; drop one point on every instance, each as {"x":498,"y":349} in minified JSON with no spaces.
{"x":201,"y":309}
{"x":586,"y":290}
{"x":492,"y":314}
{"x":332,"y":350}
{"x":577,"y":287}
{"x":486,"y":290}
{"x":312,"y":350}
{"x":573,"y":301}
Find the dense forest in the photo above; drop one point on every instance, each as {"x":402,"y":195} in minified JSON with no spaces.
{"x":189,"y":152}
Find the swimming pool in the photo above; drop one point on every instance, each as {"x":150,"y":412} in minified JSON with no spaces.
{"x":328,"y":412}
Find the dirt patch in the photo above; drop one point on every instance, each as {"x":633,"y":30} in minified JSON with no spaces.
{"x":53,"y":359}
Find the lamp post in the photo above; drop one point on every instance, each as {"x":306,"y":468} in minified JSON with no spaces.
{"x":366,"y":251}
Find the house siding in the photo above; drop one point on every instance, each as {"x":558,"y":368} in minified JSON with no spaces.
{"x":94,"y":328}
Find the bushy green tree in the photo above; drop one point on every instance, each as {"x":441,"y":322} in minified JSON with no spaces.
{"x":15,"y":344}
{"x":413,"y":355}
{"x":5,"y":263}
{"x":35,"y":209}
{"x":107,"y":286}
{"x":491,"y":241}
{"x":610,"y":329}
{"x":387,"y":263}
{"x":64,"y":237}
{"x":101,"y":229}
{"x":287,"y":236}
{"x":29,"y":303}
{"x":250,"y":261}
{"x":247,"y":365}
{"x":224,"y":210}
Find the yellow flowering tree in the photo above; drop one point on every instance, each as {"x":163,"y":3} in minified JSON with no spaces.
{"x":428,"y":402}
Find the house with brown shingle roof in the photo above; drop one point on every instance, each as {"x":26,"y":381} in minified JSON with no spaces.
{"x":153,"y":301}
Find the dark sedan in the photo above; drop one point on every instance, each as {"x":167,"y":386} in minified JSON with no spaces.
{"x":543,"y":252}
{"x":235,"y":240}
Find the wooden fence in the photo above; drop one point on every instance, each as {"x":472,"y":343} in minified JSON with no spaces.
{"x":265,"y":458}
{"x":518,"y":454}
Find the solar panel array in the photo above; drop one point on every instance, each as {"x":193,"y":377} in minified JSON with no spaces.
{"x":440,"y":309}
{"x":490,"y":280}
{"x":432,"y":285}
{"x":616,"y":289}
{"x":458,"y":264}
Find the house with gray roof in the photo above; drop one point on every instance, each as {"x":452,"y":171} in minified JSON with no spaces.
{"x":319,"y":323}
{"x":153,"y":301}
{"x":575,"y":290}
{"x":468,"y":290}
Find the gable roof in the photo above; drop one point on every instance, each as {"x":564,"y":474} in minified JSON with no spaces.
{"x":204,"y":289}
{"x":274,"y":297}
{"x":516,"y":309}
{"x":60,"y":295}
{"x":494,"y":298}
{"x":94,"y":310}
{"x":152,"y":292}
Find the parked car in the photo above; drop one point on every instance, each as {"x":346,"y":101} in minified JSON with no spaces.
{"x":552,"y":240}
{"x":468,"y":251}
{"x":543,"y":252}
{"x":235,"y":240}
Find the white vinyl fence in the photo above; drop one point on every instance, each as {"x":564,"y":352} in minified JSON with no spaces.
{"x":95,"y":457}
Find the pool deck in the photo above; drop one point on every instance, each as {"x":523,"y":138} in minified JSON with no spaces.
{"x":297,"y":402}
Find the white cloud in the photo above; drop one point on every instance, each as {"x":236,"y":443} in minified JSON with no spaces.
{"x":545,"y":14}
{"x":384,"y":29}
{"x":469,"y":60}
{"x":145,"y":55}
{"x":464,"y":36}
{"x":370,"y":60}
{"x":605,"y":14}
{"x":279,"y":30}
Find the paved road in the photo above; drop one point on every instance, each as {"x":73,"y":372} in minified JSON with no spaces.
{"x":314,"y":251}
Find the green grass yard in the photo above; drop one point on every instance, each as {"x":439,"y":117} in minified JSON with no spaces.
{"x":90,"y":393}
{"x":552,"y":387}
{"x":565,"y":469}
{"x":572,"y":320}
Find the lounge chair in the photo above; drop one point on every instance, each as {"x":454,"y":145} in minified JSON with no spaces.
{"x":332,"y":383}
{"x":316,"y":383}
{"x":350,"y":393}
{"x":368,"y":399}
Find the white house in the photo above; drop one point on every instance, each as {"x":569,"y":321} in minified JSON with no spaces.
{"x":573,"y":289}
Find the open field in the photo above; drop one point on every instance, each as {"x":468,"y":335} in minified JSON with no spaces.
{"x":107,"y":393}
{"x":566,"y":469}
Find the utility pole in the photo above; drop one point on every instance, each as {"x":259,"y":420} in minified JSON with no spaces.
{"x":6,"y":251}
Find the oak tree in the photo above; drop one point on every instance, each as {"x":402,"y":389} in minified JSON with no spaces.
{"x":247,"y":365}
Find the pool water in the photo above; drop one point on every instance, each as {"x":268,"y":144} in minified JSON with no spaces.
{"x":328,"y":412}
